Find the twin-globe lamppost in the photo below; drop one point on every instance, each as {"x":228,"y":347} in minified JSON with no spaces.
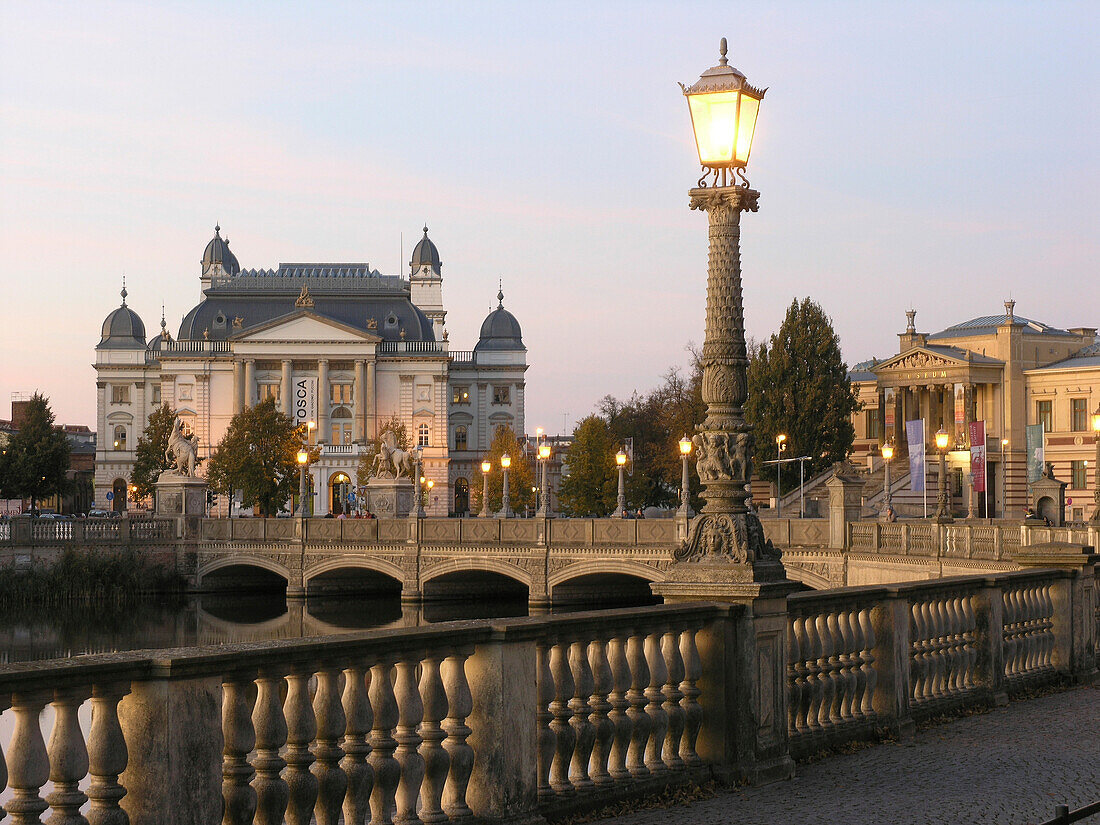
{"x":943,"y":505}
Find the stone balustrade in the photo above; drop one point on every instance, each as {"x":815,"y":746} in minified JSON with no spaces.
{"x":961,"y":540}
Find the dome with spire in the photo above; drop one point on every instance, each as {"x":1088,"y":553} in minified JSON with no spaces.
{"x":425,"y":254}
{"x":217,"y":252}
{"x":500,"y":330}
{"x":122,"y":329}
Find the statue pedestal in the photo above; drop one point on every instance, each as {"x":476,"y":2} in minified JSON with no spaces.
{"x":390,"y":497}
{"x":179,"y":495}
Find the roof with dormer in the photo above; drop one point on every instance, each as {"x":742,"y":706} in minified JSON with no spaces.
{"x":988,"y":324}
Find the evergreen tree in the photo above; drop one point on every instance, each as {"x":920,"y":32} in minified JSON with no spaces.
{"x":35,"y":461}
{"x":591,"y":486}
{"x":798,"y":385}
{"x":259,"y":457}
{"x":521,"y":477}
{"x":149,"y":460}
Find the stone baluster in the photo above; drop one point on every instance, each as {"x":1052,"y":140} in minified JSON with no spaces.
{"x":956,"y":675}
{"x":1046,"y":613}
{"x":970,"y":622}
{"x":269,"y":723}
{"x":301,"y":731}
{"x":689,"y":690}
{"x":547,"y":737}
{"x":641,"y":722}
{"x":437,"y":762}
{"x":387,"y":771}
{"x":658,"y":675}
{"x":107,"y":757}
{"x":604,"y":729}
{"x":357,"y":769}
{"x":796,"y":675}
{"x":867,"y":662}
{"x":332,"y":782}
{"x":239,"y":738}
{"x":410,"y":714}
{"x":670,"y":652}
{"x":1011,"y":631}
{"x":28,"y":762}
{"x":919,"y":662}
{"x":811,"y":650}
{"x":618,"y":716}
{"x":460,"y":704}
{"x":583,"y":729}
{"x":940,"y":645}
{"x":826,"y":661}
{"x":1031,"y":640}
{"x":68,"y":759}
{"x":854,"y":647}
{"x":841,"y":665}
{"x":565,"y":737}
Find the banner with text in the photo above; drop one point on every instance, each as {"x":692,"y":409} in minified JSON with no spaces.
{"x":960,"y":416}
{"x":1035,"y":451}
{"x":305,"y":401}
{"x":977,"y":454}
{"x":914,"y":435}
{"x":889,"y":397}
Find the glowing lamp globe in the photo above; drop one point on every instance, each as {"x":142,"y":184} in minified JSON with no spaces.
{"x":723,"y":110}
{"x":941,"y":440}
{"x":685,"y":446}
{"x":486,"y":466}
{"x":544,"y":451}
{"x":1096,"y":422}
{"x":887,"y":451}
{"x":506,"y":461}
{"x":303,"y":457}
{"x":620,"y":458}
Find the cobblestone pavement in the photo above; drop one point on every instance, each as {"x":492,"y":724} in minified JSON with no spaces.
{"x":1009,"y":766}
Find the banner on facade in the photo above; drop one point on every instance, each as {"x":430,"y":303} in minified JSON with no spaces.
{"x":889,"y":402}
{"x":960,"y":415}
{"x":977,"y":454}
{"x":305,"y":400}
{"x":914,"y":435}
{"x":1035,"y":452}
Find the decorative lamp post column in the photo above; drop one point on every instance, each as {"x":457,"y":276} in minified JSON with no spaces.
{"x":1004,"y":477}
{"x":780,"y":446}
{"x":486,"y":467}
{"x":1095,"y":518}
{"x":303,"y":465}
{"x":685,"y":483}
{"x":544,"y":460}
{"x":620,"y":501}
{"x":943,"y":506}
{"x":505,"y":504}
{"x":888,"y":513}
{"x":418,"y":488}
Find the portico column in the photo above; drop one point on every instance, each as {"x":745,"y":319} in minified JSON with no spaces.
{"x":238,"y":387}
{"x":288,"y":390}
{"x":249,"y":382}
{"x":359,"y":424}
{"x":371,"y":409}
{"x":323,"y":397}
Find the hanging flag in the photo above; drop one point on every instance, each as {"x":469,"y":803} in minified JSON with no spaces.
{"x":890,"y":405}
{"x":977,"y":454}
{"x":1035,"y":452}
{"x":914,"y":435}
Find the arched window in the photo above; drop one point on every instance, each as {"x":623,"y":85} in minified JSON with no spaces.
{"x":341,"y":426}
{"x":460,"y":437}
{"x":422,"y":435}
{"x":462,"y":495}
{"x":120,"y":437}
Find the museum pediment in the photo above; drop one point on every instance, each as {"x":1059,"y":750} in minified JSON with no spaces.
{"x":304,"y":326}
{"x":919,"y":359}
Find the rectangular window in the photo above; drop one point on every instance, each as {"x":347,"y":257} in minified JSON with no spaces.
{"x":1044,"y":415}
{"x":460,"y":438}
{"x":156,"y":393}
{"x":341,"y":434}
{"x":1079,"y":414}
{"x":120,"y":393}
{"x":422,"y":435}
{"x":461,"y":395}
{"x":502,"y":395}
{"x":341,"y":393}
{"x":269,"y":391}
{"x":1079,"y":475}
{"x":874,"y":424}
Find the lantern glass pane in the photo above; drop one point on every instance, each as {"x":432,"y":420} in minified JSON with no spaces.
{"x":714,"y":119}
{"x":750,"y":106}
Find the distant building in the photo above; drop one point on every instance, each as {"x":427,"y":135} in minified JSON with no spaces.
{"x":340,"y":343}
{"x":82,"y":445}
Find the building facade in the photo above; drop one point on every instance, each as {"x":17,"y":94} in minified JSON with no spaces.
{"x":1006,"y":370}
{"x":339,"y":344}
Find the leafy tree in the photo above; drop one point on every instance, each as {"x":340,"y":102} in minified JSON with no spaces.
{"x":798,"y":385}
{"x":591,"y":486}
{"x":259,"y":457}
{"x":149,"y":460}
{"x":35,"y":461}
{"x":366,"y":461}
{"x":521,"y":477}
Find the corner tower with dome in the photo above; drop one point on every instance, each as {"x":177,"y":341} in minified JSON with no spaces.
{"x":354,"y":347}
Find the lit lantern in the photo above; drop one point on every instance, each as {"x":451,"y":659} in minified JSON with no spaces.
{"x":620,"y":458}
{"x":303,"y":457}
{"x":505,"y":461}
{"x":544,"y":451}
{"x":941,"y":440}
{"x":685,"y":446}
{"x":887,"y":451}
{"x":723,"y":115}
{"x":486,"y":466}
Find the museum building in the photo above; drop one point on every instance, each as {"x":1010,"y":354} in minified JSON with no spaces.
{"x":361,"y":345}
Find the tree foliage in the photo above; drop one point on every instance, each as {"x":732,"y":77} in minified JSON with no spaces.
{"x":521,"y":477}
{"x":591,"y":486}
{"x":149,"y":460}
{"x":798,"y":385}
{"x":258,"y":457}
{"x":35,"y":461}
{"x":366,"y":461}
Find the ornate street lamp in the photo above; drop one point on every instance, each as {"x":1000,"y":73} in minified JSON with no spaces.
{"x":943,"y":506}
{"x":486,"y":467}
{"x":685,"y":484}
{"x":544,"y":459}
{"x":1095,"y":518}
{"x":888,"y":513}
{"x":418,"y":489}
{"x":780,"y":446}
{"x":303,"y":465}
{"x":505,"y":504}
{"x":620,"y":501}
{"x":1004,"y":477}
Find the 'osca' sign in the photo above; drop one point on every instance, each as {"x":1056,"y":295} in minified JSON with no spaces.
{"x":305,"y":400}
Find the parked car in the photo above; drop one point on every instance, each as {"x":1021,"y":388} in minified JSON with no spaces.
{"x":99,"y":514}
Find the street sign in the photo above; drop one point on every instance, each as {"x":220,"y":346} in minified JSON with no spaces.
{"x":351,"y":497}
{"x":110,"y":496}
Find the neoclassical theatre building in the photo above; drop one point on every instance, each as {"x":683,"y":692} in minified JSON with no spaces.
{"x":353,"y":346}
{"x":1007,"y":370}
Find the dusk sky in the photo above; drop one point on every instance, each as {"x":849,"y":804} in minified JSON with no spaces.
{"x":940,"y":156}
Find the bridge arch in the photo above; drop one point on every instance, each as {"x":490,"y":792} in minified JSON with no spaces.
{"x":813,"y":580}
{"x":479,"y":565}
{"x":242,"y":561}
{"x":622,"y":567}
{"x":371,"y":563}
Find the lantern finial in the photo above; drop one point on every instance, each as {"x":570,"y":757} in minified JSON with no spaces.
{"x":722,"y":51}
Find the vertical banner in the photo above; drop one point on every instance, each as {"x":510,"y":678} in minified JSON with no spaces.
{"x":960,"y":416}
{"x":914,"y":435}
{"x":305,"y":401}
{"x":888,"y":421}
{"x":977,"y":454}
{"x":1034,"y":452}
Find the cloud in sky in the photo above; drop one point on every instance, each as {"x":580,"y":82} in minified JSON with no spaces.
{"x":940,"y":156}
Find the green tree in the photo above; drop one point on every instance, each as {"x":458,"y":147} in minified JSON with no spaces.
{"x":149,"y":460}
{"x":366,"y":461}
{"x":35,"y":461}
{"x":521,"y":477}
{"x":591,"y":485}
{"x":798,"y":385}
{"x":259,"y":457}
